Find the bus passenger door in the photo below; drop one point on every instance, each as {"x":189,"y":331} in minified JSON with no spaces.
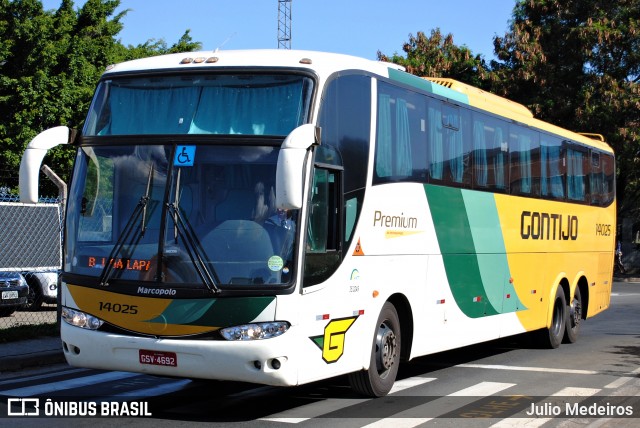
{"x":322,"y":242}
{"x":329,"y":312}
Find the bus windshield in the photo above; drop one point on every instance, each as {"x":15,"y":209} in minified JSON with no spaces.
{"x":196,"y":215}
{"x":248,"y":104}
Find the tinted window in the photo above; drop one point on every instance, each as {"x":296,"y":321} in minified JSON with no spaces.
{"x":525,"y":163}
{"x":345,"y":119}
{"x":401,"y":134}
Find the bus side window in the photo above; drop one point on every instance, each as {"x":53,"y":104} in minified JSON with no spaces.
{"x":323,"y":228}
{"x":524,"y":149}
{"x":577,"y":169}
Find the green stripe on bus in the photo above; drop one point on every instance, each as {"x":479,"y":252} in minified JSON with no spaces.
{"x":473,"y":250}
{"x":427,"y":86}
{"x":491,"y":250}
{"x":213,"y":312}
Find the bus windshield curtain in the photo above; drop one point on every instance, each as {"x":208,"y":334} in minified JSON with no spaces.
{"x":480,"y":153}
{"x":575,"y":176}
{"x":151,"y":111}
{"x":270,"y":110}
{"x":499,"y":160}
{"x":383,"y":140}
{"x":435,"y":143}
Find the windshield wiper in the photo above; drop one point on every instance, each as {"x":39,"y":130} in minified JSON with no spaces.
{"x":194,"y":249}
{"x":184,"y":230}
{"x":139,"y":210}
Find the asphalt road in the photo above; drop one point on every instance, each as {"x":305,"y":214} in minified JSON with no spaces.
{"x":505,"y":383}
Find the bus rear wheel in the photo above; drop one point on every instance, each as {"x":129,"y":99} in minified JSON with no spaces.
{"x":552,"y":337}
{"x":378,"y":380}
{"x":574,"y":317}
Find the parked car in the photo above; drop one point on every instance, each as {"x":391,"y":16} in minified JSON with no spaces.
{"x":13,"y":292}
{"x":43,"y":288}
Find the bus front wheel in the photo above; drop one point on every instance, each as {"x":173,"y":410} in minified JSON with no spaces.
{"x":552,"y":337}
{"x":385,"y":357}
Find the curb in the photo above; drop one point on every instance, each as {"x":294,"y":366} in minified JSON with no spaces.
{"x":19,"y":362}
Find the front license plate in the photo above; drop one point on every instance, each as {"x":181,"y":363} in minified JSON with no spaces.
{"x":6,"y":295}
{"x":158,"y":358}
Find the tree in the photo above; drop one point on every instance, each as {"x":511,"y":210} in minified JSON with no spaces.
{"x":577,"y":64}
{"x":50,"y":62}
{"x":438,"y":56}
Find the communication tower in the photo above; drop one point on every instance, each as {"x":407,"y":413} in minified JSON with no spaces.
{"x":284,"y":24}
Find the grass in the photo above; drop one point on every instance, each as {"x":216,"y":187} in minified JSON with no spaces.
{"x":31,"y":331}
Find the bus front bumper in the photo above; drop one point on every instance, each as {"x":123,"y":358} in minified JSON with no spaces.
{"x":269,"y":361}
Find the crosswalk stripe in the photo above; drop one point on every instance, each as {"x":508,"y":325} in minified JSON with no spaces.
{"x":403,"y":384}
{"x":67,"y":384}
{"x":309,"y":411}
{"x":528,"y":369}
{"x":618,"y":382}
{"x":43,"y":376}
{"x":443,"y":405}
{"x":482,"y":389}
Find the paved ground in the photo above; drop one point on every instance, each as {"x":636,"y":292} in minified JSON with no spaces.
{"x":40,"y":351}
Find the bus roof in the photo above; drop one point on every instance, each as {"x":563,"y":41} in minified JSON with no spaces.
{"x":322,"y":63}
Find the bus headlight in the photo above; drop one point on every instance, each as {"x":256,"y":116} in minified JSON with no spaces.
{"x":80,"y":319}
{"x":255,"y":331}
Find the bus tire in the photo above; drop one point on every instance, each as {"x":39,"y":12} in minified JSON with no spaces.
{"x":378,"y":380}
{"x":552,"y":337}
{"x":574,"y":317}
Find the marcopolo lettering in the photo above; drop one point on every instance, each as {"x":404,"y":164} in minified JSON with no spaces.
{"x":382,"y":220}
{"x":157,"y":291}
{"x":547,"y":226}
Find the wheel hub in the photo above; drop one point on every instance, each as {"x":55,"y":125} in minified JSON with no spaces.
{"x":386,"y":348}
{"x":575,"y":312}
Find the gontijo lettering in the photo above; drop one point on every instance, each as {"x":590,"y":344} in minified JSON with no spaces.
{"x":546,"y":226}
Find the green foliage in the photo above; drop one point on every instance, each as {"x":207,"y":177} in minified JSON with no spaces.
{"x":50,"y":62}
{"x":573,"y":63}
{"x":577,"y":64}
{"x":438,"y":56}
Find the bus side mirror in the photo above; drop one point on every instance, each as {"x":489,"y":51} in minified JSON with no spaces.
{"x":32,"y":159}
{"x":291,"y":160}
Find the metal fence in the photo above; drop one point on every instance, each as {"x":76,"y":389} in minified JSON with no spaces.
{"x":30,"y":262}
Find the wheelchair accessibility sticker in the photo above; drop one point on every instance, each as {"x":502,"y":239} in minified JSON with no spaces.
{"x":185,"y":155}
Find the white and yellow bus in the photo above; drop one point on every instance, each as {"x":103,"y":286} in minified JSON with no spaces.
{"x":281,"y":217}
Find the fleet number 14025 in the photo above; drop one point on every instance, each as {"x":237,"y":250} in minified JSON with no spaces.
{"x":119,"y":308}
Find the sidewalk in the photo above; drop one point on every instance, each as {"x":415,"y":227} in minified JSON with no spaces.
{"x":22,"y":354}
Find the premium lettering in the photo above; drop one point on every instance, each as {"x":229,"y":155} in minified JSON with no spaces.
{"x":547,"y":226}
{"x":382,"y":220}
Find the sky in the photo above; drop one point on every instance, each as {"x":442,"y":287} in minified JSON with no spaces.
{"x":354,"y":27}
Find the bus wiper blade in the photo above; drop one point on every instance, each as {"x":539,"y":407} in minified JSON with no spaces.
{"x":194,"y":249}
{"x":140,"y":209}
